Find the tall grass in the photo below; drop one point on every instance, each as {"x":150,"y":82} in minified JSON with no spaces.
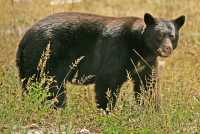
{"x":180,"y":80}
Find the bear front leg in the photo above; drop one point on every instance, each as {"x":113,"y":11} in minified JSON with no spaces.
{"x":106,"y":96}
{"x":147,"y":80}
{"x":101,"y":96}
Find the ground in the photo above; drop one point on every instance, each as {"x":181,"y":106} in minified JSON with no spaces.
{"x":180,"y":79}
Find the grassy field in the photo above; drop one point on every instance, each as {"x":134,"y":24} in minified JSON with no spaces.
{"x":180,"y":80}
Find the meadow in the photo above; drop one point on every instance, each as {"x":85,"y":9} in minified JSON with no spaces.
{"x":179,"y":82}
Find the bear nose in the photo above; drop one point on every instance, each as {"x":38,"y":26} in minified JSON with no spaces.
{"x":168,"y":49}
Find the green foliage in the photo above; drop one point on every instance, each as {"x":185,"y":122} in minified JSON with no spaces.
{"x":180,"y":80}
{"x":37,"y":97}
{"x":111,"y":125}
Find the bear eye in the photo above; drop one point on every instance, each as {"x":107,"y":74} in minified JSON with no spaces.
{"x":172,"y":36}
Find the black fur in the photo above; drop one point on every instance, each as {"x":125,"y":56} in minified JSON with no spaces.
{"x":108,"y":45}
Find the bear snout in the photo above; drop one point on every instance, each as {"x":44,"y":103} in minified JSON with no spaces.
{"x":165,"y":49}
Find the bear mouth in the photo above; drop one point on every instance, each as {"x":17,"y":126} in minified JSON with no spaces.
{"x":160,"y":52}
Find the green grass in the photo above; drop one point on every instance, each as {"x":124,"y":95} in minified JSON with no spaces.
{"x":180,"y":80}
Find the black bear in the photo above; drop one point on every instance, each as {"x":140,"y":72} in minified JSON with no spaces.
{"x":109,"y":47}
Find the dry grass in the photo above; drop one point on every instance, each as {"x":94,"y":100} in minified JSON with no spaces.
{"x":180,"y":80}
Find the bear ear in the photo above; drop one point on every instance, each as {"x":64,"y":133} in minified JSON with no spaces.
{"x":179,"y":21}
{"x":149,"y":19}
